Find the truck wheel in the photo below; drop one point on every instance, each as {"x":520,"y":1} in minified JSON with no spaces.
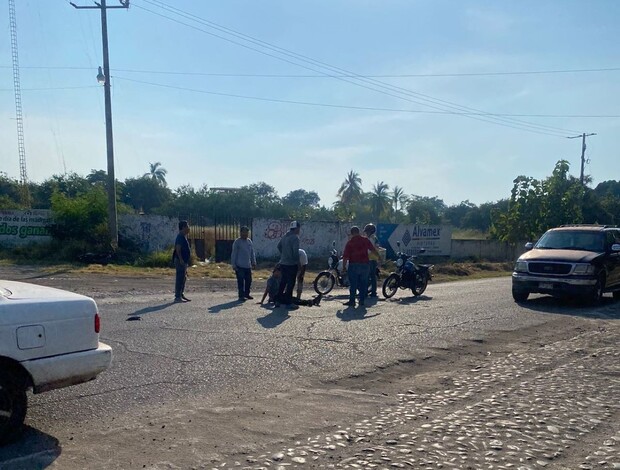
{"x":597,"y":294}
{"x":520,"y":295}
{"x":13,"y":405}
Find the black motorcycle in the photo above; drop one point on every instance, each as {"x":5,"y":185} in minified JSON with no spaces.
{"x":408,"y":275}
{"x":326,"y":280}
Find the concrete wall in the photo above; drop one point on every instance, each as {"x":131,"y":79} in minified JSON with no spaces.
{"x":491,"y":250}
{"x":315,"y":237}
{"x":150,"y":232}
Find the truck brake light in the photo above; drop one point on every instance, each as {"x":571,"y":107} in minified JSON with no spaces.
{"x":97,"y":323}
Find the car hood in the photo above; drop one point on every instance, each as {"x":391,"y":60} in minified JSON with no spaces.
{"x":570,"y":256}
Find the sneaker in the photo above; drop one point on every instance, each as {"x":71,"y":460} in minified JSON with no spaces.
{"x":349,"y":304}
{"x":249,"y":297}
{"x":178,"y":300}
{"x":241,"y":298}
{"x":185,"y":299}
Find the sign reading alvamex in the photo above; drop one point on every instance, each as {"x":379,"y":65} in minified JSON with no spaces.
{"x":435,"y":239}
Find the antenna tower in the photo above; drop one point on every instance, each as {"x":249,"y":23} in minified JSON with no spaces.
{"x":23,"y":175}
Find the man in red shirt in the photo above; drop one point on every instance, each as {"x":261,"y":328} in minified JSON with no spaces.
{"x":358,"y":267}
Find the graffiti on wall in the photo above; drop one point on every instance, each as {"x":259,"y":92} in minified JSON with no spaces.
{"x":315,"y":238}
{"x":23,"y":227}
{"x":150,"y":232}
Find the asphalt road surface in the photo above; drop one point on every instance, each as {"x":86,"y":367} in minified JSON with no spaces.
{"x":228,"y":369}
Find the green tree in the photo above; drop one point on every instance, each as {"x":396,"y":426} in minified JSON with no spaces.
{"x":157,"y":173}
{"x":425,"y":210}
{"x":562,"y":198}
{"x":380,"y":200}
{"x":523,"y":219}
{"x":144,"y":194}
{"x":350,"y":191}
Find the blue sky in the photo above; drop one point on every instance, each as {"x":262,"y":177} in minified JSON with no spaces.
{"x":218,"y":140}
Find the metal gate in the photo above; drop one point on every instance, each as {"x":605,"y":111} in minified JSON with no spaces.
{"x":226,"y":232}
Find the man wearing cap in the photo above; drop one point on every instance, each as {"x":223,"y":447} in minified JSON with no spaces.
{"x":288,"y":247}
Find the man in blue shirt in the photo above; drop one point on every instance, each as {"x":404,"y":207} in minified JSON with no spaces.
{"x":181,"y":259}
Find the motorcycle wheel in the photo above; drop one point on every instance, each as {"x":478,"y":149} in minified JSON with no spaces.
{"x":390,"y":286}
{"x":324,"y":283}
{"x":421,"y":282}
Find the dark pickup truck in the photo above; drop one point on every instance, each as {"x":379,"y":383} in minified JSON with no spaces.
{"x":578,"y":261}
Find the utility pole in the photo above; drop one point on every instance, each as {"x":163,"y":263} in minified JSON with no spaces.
{"x":105,"y":77}
{"x":583,"y":152}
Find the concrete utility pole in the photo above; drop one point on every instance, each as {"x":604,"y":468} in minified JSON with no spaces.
{"x":105,"y":78}
{"x":583,"y":151}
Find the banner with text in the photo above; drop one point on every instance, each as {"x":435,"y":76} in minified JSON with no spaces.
{"x":435,"y":239}
{"x":23,"y":227}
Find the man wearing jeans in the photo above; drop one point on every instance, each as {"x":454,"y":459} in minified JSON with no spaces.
{"x":355,"y":260}
{"x":181,"y":258}
{"x":288,"y":247}
{"x":243,"y":261}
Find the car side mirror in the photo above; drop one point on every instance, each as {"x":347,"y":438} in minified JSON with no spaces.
{"x":529,"y":246}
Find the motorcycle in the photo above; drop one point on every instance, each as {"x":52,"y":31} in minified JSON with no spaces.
{"x":326,"y":280}
{"x":408,"y":275}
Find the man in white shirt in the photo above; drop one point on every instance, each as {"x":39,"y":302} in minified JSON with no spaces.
{"x":303,"y":263}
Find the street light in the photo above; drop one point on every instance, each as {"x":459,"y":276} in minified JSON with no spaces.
{"x":101,"y":77}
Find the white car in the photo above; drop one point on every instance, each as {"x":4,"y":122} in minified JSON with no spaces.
{"x":49,"y":338}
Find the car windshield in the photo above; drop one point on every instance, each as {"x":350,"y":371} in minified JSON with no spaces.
{"x":572,"y":240}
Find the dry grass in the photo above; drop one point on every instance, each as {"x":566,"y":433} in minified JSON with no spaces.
{"x":441,"y":273}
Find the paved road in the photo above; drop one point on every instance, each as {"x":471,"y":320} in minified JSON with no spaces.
{"x":216,"y":350}
{"x":215,"y":344}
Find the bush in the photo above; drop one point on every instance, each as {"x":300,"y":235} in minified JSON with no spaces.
{"x":82,"y":218}
{"x":157,"y":259}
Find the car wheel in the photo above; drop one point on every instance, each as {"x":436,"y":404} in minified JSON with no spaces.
{"x":13,"y":405}
{"x":520,"y":295}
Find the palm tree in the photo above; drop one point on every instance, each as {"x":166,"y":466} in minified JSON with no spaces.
{"x":380,"y":199}
{"x":157,"y":173}
{"x":398,"y":198}
{"x":350,"y":190}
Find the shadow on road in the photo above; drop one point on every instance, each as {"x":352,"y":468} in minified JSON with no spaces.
{"x":608,"y":309}
{"x":274,"y":319}
{"x":146,"y":310}
{"x":225,"y":306}
{"x":33,"y":450}
{"x":410,"y":300}
{"x":351,"y":314}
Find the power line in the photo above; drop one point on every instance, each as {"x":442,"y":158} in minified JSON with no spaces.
{"x":332,"y":105}
{"x":279,"y":75}
{"x":371,"y":84}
